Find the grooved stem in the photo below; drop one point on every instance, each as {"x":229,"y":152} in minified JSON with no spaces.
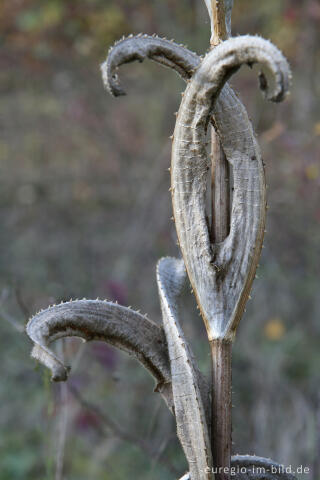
{"x":220,"y":191}
{"x":221,"y":351}
{"x":219,"y":22}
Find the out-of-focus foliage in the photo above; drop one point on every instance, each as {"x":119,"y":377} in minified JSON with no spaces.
{"x":85,"y":209}
{"x":50,"y":26}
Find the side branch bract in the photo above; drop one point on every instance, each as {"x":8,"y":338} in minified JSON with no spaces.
{"x":140,"y":47}
{"x":101,"y":320}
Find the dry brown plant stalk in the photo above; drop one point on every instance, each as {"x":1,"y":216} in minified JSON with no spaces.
{"x":220,"y":261}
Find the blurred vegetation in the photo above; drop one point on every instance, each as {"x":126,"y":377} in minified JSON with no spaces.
{"x":85,"y":209}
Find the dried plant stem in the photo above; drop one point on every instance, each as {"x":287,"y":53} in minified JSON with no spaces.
{"x":220,"y":191}
{"x":221,"y":351}
{"x":221,"y":271}
{"x":219,"y":32}
{"x":220,"y":167}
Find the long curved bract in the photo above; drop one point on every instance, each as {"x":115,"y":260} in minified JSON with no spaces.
{"x":193,"y":424}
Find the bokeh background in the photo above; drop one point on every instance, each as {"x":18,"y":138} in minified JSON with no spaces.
{"x":85,"y":212}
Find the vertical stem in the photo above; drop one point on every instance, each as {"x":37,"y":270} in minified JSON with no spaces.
{"x":219,"y":30}
{"x":220,"y":191}
{"x":220,"y":168}
{"x":221,"y":351}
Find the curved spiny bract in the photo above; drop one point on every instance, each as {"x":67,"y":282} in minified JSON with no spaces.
{"x":222,"y":274}
{"x":192,"y":427}
{"x":140,"y":47}
{"x":101,"y":320}
{"x":250,"y":467}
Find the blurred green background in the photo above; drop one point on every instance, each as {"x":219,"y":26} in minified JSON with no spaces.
{"x":85,"y":209}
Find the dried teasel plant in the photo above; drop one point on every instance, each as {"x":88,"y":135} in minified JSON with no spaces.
{"x":220,"y":260}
